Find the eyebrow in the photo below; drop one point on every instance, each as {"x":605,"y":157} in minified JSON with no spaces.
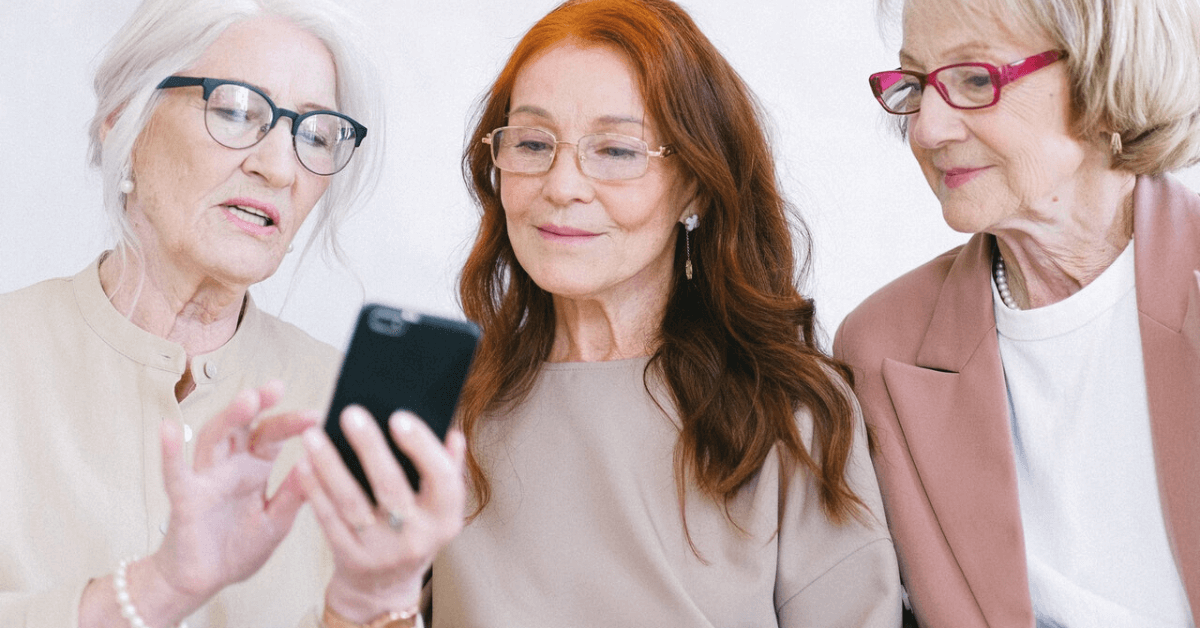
{"x":607,"y":120}
{"x":301,"y":108}
{"x":963,"y":52}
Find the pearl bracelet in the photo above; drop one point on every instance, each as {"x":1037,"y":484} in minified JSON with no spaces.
{"x":128,"y":610}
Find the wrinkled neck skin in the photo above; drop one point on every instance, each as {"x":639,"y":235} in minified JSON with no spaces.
{"x":183,"y":306}
{"x":609,"y":327}
{"x":1051,"y":255}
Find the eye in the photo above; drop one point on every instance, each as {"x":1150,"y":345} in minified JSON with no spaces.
{"x":533,"y":146}
{"x":316,"y":140}
{"x":902,"y":90}
{"x":978,"y":81}
{"x":970,"y":79}
{"x":231,"y":115}
{"x":617,"y":152}
{"x":612,"y":148}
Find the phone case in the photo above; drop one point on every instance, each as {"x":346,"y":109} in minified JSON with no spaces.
{"x":401,"y":359}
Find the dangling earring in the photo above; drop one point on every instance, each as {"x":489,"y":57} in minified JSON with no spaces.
{"x":126,"y":186}
{"x":689,"y":225}
{"x":1114,"y":144}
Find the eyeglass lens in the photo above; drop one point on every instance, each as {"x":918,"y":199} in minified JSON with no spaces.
{"x":604,"y":156}
{"x":966,"y":86}
{"x":239,"y":117}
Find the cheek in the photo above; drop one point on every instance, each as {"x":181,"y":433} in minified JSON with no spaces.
{"x":1040,"y":166}
{"x":308,"y":195}
{"x":924,"y":160}
{"x":516,"y":194}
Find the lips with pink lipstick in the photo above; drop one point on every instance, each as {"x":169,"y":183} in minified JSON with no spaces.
{"x":955,"y":177}
{"x":251,"y":215}
{"x":562,"y":233}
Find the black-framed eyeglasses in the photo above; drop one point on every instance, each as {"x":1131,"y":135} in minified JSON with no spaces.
{"x":601,"y":156}
{"x":238,"y":115}
{"x":962,"y":85}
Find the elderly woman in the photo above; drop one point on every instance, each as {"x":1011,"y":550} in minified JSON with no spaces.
{"x":1034,"y":393}
{"x":655,"y":438}
{"x":221,"y":126}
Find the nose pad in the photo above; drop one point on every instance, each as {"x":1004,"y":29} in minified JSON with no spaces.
{"x":565,"y":181}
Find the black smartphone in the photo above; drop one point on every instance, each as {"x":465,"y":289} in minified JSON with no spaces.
{"x":401,"y":359}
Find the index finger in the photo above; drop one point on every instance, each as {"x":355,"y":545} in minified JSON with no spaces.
{"x":440,"y":467}
{"x":266,"y":439}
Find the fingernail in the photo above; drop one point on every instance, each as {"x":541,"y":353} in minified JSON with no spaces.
{"x":357,"y":417}
{"x":312,"y":438}
{"x":403,"y":421}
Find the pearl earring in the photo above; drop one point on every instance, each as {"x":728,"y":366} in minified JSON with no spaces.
{"x":689,"y":225}
{"x":126,"y":187}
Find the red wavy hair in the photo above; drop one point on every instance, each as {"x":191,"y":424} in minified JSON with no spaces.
{"x":736,"y":347}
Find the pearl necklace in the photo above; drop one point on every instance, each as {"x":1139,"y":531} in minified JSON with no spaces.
{"x":1001,"y":274}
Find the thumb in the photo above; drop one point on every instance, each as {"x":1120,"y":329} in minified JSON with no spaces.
{"x":284,"y":504}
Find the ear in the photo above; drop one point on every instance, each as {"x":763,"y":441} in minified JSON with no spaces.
{"x":692,"y":206}
{"x":109,"y":121}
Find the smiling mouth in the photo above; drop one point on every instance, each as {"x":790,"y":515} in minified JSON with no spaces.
{"x":251,"y":216}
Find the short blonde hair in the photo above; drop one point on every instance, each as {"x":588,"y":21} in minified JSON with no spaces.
{"x":164,"y":37}
{"x":1134,"y":69}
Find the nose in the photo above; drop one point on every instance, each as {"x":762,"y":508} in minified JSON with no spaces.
{"x":273,"y":158}
{"x":937,"y":123}
{"x":565,"y":182}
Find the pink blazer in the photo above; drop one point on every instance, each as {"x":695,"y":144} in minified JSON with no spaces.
{"x":928,"y":375}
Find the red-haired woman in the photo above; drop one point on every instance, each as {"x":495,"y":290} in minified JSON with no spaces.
{"x":655,"y":438}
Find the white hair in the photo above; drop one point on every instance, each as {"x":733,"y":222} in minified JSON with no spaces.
{"x":164,"y":37}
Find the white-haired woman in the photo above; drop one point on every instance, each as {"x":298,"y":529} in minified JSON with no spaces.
{"x":144,"y":402}
{"x":1035,"y":394}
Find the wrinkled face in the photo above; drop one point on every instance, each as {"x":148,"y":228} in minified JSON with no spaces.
{"x":1007,"y":166}
{"x":224,"y":214}
{"x":578,"y":237}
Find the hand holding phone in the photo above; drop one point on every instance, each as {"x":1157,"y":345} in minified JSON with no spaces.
{"x":401,"y":360}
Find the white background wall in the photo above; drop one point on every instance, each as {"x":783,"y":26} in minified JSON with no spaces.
{"x":871,"y":214}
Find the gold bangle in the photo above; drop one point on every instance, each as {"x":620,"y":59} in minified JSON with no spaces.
{"x":410,"y":618}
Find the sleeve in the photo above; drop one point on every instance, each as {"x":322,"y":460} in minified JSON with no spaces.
{"x":838,"y":575}
{"x":54,"y":608}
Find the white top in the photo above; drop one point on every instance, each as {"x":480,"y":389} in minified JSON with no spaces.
{"x":584,"y":527}
{"x":1095,"y":540}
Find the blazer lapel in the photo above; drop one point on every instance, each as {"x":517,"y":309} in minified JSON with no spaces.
{"x":953,"y":408}
{"x":1167,"y":256}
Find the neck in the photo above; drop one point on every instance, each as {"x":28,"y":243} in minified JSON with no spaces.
{"x":605,"y":329}
{"x":186,"y":308}
{"x":1049,"y":260}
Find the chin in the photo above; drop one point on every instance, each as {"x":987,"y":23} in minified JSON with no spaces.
{"x":966,"y":214}
{"x":563,"y":285}
{"x":962,"y":224}
{"x":250,"y":270}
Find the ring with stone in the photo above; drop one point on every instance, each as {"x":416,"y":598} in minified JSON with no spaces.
{"x":395,"y":519}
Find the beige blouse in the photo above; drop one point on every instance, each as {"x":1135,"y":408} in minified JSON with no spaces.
{"x":83,"y":392}
{"x":584,"y":527}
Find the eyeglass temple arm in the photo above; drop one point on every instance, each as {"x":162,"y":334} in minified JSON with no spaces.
{"x":1012,"y":72}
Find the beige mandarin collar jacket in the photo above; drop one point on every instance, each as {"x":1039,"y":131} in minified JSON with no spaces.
{"x":928,"y":373}
{"x":83,"y":395}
